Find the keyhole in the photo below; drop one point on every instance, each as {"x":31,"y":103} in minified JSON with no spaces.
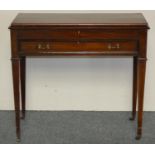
{"x":78,"y":33}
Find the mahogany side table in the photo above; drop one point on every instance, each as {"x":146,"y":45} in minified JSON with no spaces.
{"x":79,"y":34}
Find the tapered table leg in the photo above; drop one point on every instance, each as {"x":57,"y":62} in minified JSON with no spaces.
{"x":16,"y":81}
{"x":141,"y":83}
{"x":22,"y":78}
{"x":134,"y":95}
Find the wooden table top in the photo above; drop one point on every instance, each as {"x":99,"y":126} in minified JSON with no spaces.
{"x":105,"y":19}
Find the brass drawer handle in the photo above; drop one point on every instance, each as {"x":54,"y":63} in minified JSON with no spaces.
{"x":39,"y":46}
{"x":43,"y":46}
{"x":48,"y":46}
{"x":117,"y":46}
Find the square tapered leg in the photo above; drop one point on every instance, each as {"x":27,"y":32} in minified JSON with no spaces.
{"x":16,"y":83}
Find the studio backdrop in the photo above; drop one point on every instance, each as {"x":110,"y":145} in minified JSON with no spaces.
{"x":95,"y":84}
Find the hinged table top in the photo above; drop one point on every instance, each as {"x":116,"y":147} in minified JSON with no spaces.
{"x":79,"y":19}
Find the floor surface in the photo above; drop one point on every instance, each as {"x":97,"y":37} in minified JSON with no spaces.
{"x":76,"y":127}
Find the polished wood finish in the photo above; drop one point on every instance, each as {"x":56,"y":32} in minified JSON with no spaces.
{"x":65,"y":19}
{"x":57,"y":48}
{"x":15,"y":71}
{"x":22,"y":78}
{"x":79,"y":34}
{"x":134,"y":98}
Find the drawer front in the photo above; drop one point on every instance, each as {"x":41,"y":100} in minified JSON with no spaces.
{"x":106,"y":47}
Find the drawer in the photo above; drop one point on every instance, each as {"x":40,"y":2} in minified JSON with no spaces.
{"x":106,"y":47}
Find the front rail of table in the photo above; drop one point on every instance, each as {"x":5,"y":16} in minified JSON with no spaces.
{"x":79,"y":35}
